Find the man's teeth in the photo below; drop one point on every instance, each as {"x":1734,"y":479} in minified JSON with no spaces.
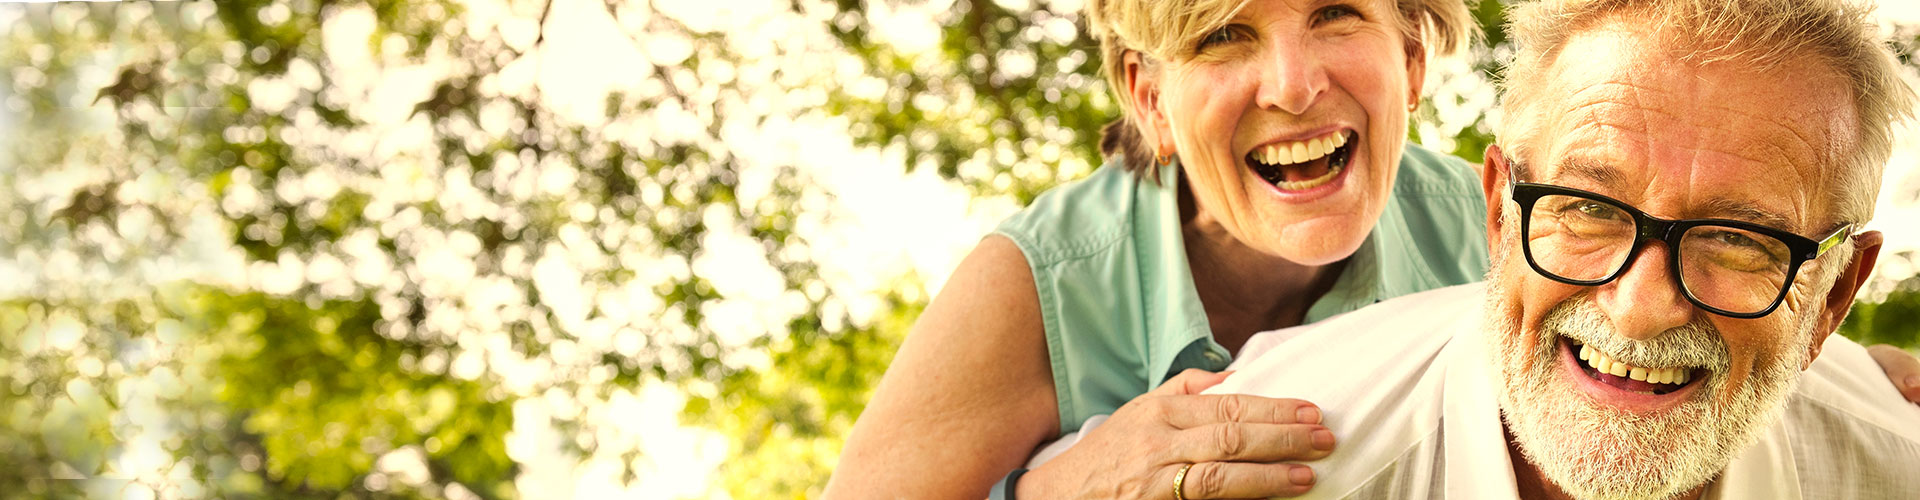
{"x":1600,"y":362}
{"x":1288,"y":153}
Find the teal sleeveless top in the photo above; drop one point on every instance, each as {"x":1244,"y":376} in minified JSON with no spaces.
{"x":1117,"y":297}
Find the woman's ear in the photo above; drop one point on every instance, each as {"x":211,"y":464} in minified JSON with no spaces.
{"x":1416,"y":70}
{"x":1143,"y":85}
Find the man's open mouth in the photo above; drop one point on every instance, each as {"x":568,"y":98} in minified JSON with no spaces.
{"x":1302,"y":165}
{"x":1628,"y":377}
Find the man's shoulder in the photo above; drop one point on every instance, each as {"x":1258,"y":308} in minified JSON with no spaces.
{"x":1847,"y":382}
{"x":1851,"y":433}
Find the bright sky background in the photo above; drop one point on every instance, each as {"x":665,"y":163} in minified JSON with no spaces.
{"x":1899,"y":206}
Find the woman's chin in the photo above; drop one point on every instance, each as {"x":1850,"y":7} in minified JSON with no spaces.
{"x":1318,"y":242}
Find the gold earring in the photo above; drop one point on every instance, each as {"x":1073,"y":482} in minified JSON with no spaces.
{"x":1413,"y":106}
{"x":1162,"y":160}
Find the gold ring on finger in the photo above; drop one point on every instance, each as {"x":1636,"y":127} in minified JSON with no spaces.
{"x":1179,"y":480}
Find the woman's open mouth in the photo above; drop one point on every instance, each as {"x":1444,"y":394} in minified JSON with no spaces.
{"x":1302,"y":165}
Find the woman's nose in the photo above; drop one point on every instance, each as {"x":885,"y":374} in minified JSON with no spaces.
{"x":1292,"y":77}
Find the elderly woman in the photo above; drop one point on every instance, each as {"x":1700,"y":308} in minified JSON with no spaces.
{"x":1260,"y":179}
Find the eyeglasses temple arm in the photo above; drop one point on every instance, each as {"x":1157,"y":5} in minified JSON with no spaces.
{"x":1832,"y":240}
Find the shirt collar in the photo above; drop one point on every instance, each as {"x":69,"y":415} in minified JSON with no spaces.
{"x":1176,"y":323}
{"x":1386,"y":265}
{"x":1766,"y":469}
{"x":1478,"y":464}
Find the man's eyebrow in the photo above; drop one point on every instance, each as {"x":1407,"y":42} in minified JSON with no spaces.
{"x":1596,"y":172}
{"x":1749,"y":212}
{"x":1608,"y":177}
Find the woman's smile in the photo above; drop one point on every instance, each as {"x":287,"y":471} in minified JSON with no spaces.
{"x":1298,"y":166}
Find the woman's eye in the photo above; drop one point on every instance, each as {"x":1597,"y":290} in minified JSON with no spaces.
{"x":1335,"y":13}
{"x":1225,"y":34}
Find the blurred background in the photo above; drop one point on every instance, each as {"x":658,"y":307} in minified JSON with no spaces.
{"x":538,"y":248}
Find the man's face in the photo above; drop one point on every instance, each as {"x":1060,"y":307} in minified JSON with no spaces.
{"x":1677,"y":140}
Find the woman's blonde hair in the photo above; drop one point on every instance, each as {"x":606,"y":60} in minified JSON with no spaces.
{"x":1160,"y":29}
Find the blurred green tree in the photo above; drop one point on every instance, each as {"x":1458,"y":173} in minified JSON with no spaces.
{"x":324,"y":249}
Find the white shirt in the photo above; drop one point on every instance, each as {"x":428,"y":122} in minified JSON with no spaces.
{"x":1409,"y":390}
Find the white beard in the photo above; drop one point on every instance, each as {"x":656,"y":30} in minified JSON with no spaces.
{"x":1596,"y":452}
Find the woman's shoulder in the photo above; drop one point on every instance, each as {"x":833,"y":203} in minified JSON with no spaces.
{"x":1438,"y":217}
{"x":1425,"y":172}
{"x":1439,"y":192}
{"x":1079,"y":217}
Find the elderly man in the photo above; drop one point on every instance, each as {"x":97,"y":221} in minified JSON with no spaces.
{"x":1674,"y":214}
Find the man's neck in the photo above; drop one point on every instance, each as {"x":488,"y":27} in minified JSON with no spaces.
{"x":1533,"y":485}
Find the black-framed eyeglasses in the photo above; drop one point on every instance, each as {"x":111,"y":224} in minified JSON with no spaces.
{"x":1729,"y":267}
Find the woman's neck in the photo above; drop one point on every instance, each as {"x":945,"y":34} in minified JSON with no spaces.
{"x":1244,"y":290}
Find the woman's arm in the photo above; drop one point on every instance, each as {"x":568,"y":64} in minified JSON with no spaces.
{"x":1901,"y":368}
{"x":970,"y":395}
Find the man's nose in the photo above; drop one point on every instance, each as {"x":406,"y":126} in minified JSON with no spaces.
{"x":1293,"y":78}
{"x":1644,"y":301}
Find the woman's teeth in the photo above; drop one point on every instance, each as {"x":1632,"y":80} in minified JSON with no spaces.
{"x":1278,"y":162}
{"x":1289,"y":153}
{"x":1600,"y":362}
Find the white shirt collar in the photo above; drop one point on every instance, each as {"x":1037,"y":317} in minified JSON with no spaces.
{"x":1478,"y":464}
{"x":1764,"y":470}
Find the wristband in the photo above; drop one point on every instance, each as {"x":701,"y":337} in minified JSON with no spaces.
{"x":1003,"y":490}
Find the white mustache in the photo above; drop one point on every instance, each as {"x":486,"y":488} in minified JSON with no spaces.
{"x":1696,"y":344}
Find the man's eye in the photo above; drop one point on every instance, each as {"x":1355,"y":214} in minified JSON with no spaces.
{"x":1598,"y":210}
{"x":1735,"y":249}
{"x":1733,"y":239}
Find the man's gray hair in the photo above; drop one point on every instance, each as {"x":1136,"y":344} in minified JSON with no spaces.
{"x":1759,"y":33}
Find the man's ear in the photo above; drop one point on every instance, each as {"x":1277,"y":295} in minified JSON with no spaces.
{"x":1143,"y":85}
{"x":1839,"y":300}
{"x":1493,"y":183}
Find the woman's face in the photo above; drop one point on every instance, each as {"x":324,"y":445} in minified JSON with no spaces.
{"x":1289,"y":122}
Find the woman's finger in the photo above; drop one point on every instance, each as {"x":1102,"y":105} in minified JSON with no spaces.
{"x":1189,"y":381}
{"x":1222,"y":480}
{"x":1186,"y":412}
{"x":1901,"y":367}
{"x":1243,"y":442}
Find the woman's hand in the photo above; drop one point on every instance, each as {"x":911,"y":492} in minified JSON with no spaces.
{"x":1233,"y":442}
{"x":1902,"y":368}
